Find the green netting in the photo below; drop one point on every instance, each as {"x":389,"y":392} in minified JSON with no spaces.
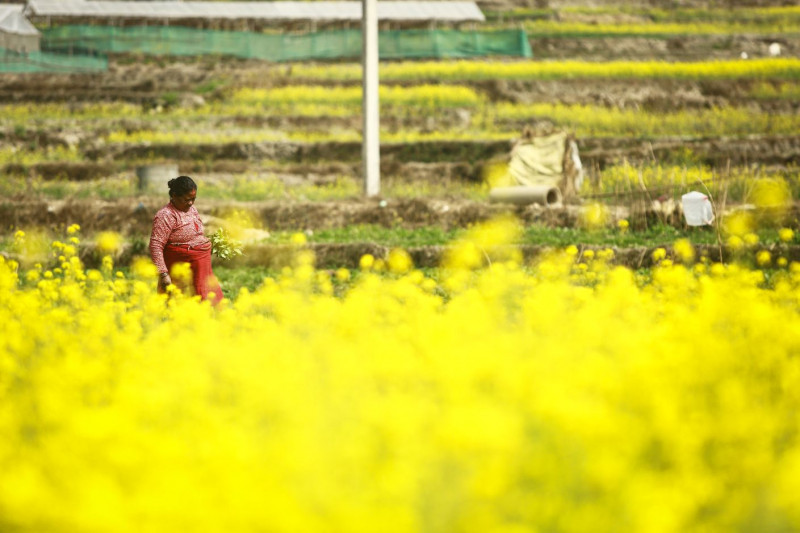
{"x":335,"y":44}
{"x":11,"y":61}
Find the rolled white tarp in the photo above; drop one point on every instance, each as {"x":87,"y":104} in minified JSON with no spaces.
{"x":526,"y":194}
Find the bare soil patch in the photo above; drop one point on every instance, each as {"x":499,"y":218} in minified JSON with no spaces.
{"x":598,"y":151}
{"x":134,"y":217}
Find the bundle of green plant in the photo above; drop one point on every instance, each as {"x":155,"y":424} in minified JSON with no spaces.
{"x":224,"y":246}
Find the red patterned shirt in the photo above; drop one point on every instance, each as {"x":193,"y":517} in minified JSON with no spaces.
{"x":171,"y":226}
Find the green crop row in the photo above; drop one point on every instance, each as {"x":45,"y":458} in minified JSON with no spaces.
{"x":756,"y":15}
{"x":300,"y":136}
{"x":764,"y":17}
{"x":550,"y":28}
{"x":617,"y":183}
{"x":317,"y":101}
{"x":20,"y":120}
{"x":618,"y":235}
{"x":240,"y":188}
{"x":471,"y":70}
{"x":596,"y":121}
{"x":490,"y":122}
{"x":500,"y":122}
{"x":427,"y":96}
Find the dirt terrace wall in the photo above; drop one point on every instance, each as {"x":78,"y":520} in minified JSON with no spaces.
{"x":678,"y":48}
{"x":134,"y":218}
{"x":664,"y":4}
{"x":461,"y":151}
{"x":599,"y":151}
{"x":437,"y":162}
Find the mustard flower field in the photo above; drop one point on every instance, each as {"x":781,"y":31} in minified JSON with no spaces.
{"x":566,"y":395}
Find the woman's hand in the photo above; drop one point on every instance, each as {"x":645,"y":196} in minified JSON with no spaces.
{"x":164,"y":280}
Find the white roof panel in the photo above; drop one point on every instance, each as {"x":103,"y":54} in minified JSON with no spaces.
{"x":13,"y":21}
{"x":5,"y":9}
{"x":418,"y":10}
{"x":454,"y":11}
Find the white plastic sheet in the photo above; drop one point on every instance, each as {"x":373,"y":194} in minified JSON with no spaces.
{"x":697,"y":209}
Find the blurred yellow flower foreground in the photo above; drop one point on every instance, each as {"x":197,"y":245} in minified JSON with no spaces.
{"x":516,"y":400}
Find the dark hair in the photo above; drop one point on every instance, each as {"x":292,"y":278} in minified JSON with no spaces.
{"x":181,"y":185}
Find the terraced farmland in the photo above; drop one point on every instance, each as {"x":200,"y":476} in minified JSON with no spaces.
{"x":681,"y":112}
{"x":426,"y":360}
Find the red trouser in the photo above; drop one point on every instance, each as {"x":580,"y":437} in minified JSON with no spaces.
{"x":199,"y":260}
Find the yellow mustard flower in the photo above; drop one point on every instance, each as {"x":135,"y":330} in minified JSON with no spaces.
{"x":366,"y":262}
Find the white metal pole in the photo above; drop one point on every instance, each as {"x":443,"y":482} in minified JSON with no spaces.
{"x":370,"y":102}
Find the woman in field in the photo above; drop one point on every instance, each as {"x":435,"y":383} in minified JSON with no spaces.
{"x":177,"y":237}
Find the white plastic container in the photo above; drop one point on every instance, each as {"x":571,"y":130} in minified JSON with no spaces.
{"x":697,"y":209}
